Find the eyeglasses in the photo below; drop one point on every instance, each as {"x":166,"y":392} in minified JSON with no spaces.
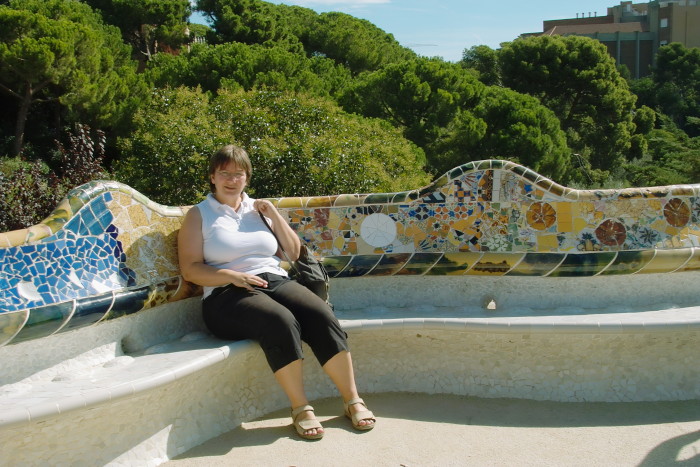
{"x":231,"y":175}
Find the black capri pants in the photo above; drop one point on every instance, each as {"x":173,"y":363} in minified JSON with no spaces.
{"x":279,"y":317}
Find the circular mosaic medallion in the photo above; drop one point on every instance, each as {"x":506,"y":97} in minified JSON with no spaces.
{"x":611,"y":233}
{"x":541,"y":216}
{"x":676,"y":212}
{"x":378,"y":230}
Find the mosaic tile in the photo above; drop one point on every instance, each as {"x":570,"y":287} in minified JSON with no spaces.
{"x":89,"y":311}
{"x":390,"y":264}
{"x":536,"y":264}
{"x":419,"y":264}
{"x":693,"y":262}
{"x":583,"y":264}
{"x":11,"y":323}
{"x":629,"y":262}
{"x":667,"y":261}
{"x":495,"y":264}
{"x":455,"y":264}
{"x":359,"y":266}
{"x":335,"y":264}
{"x":126,"y":303}
{"x":107,"y":241}
{"x":46,"y":320}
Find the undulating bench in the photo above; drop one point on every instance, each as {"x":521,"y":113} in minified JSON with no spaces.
{"x":492,"y":282}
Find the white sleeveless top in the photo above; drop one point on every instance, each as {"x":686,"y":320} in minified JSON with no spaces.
{"x":237,"y":240}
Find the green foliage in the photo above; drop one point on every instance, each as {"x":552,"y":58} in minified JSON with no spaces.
{"x":672,"y":158}
{"x":59,"y":51}
{"x":516,"y":127}
{"x":484,"y":60}
{"x":419,"y":96}
{"x":147,"y":24}
{"x":248,"y":22}
{"x":165,"y":157}
{"x":235,"y":65}
{"x":354,"y":42}
{"x":30,"y":190}
{"x":674,"y":87}
{"x":577,"y":79}
{"x":299,"y":146}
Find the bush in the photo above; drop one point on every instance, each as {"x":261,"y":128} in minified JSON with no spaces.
{"x":30,"y":190}
{"x":299,"y":146}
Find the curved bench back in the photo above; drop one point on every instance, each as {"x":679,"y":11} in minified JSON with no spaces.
{"x":108,"y":251}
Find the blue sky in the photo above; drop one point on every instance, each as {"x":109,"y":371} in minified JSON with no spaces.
{"x":446,"y":27}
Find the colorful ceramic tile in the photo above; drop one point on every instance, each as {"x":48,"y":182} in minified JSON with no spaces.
{"x":629,"y":262}
{"x":89,"y":311}
{"x":667,"y":260}
{"x":537,"y":264}
{"x":359,"y":266}
{"x":495,"y":264}
{"x":583,"y":264}
{"x":419,"y":264}
{"x":693,"y":263}
{"x":46,"y":320}
{"x":487,"y":217}
{"x":389,"y":264}
{"x":11,"y":323}
{"x":335,"y":264}
{"x":455,"y":264}
{"x":128,"y":302}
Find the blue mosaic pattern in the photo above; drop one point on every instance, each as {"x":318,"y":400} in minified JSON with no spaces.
{"x":83,"y":259}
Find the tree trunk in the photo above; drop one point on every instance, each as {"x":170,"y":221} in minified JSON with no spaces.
{"x":22,"y":114}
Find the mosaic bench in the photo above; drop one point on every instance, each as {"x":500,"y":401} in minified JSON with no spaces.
{"x":534,"y":290}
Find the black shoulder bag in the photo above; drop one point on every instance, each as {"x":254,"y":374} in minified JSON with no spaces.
{"x":307,"y":270}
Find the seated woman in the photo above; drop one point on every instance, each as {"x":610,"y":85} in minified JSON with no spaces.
{"x":224,"y":246}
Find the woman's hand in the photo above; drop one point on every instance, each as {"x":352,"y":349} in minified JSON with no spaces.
{"x":265,"y":207}
{"x":288,"y":239}
{"x":247,"y":281}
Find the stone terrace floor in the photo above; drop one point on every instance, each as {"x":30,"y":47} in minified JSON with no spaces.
{"x":444,"y":430}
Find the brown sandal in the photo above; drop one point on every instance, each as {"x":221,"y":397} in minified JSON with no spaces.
{"x":359,"y":415}
{"x":305,"y":425}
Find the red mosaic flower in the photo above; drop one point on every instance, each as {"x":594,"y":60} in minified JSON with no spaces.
{"x":676,"y":212}
{"x":611,"y":233}
{"x":541,"y":216}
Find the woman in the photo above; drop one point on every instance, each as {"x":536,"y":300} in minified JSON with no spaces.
{"x":224,"y":246}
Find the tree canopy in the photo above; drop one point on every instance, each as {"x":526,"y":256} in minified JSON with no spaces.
{"x":59,"y":51}
{"x":420,"y":96}
{"x":578,"y":80}
{"x":147,"y":25}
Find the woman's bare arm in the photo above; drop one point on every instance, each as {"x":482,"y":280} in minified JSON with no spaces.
{"x":190,"y":248}
{"x":287,"y":237}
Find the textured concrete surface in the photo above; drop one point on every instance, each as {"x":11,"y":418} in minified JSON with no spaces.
{"x":443,"y":430}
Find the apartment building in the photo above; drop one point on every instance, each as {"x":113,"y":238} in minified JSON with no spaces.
{"x":633,"y":32}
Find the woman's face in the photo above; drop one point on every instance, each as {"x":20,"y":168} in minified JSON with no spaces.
{"x":229,"y":180}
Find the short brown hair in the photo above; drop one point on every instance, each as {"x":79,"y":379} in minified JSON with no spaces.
{"x":224,"y":156}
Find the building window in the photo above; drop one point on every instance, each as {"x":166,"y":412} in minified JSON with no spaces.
{"x":663,"y":23}
{"x":663,"y":42}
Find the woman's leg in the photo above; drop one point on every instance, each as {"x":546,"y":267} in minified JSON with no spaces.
{"x":240,"y":314}
{"x":321,"y":330}
{"x":290,"y":378}
{"x":339,"y":369}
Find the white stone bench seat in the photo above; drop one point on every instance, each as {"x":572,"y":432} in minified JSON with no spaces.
{"x":123,"y":376}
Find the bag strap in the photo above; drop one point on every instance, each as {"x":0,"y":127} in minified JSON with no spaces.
{"x":286,"y":256}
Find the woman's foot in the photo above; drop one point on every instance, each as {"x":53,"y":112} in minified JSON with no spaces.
{"x":362,"y":418}
{"x":305,"y":423}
